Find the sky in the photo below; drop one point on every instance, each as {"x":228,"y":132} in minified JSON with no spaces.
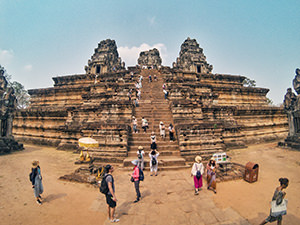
{"x":253,"y":38}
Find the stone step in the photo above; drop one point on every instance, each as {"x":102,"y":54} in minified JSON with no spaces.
{"x":160,"y":168}
{"x":168,"y":152}
{"x":162,"y":161}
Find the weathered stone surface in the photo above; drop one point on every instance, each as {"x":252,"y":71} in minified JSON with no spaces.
{"x":150,"y":59}
{"x":8,"y":106}
{"x":292,"y":108}
{"x":191,"y":58}
{"x":105,"y":59}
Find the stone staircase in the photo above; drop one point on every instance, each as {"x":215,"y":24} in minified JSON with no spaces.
{"x":154,"y":108}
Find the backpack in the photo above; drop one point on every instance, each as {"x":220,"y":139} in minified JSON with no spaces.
{"x":198,"y":173}
{"x":141,"y":177}
{"x":153,"y":161}
{"x":104,"y":186}
{"x":30,"y":177}
{"x":140,"y":156}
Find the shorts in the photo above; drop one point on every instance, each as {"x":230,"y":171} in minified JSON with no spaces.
{"x":110,"y":202}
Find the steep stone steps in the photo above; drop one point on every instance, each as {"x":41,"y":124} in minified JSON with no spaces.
{"x":154,"y":108}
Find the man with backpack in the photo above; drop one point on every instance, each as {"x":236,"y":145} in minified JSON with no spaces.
{"x":108,"y":188}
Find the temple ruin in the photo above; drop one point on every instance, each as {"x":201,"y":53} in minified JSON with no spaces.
{"x":8,"y":105}
{"x":292,"y":108}
{"x":211,"y":112}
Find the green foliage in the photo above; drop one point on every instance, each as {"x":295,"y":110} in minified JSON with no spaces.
{"x":23,"y":98}
{"x":249,"y":83}
{"x":270,"y":101}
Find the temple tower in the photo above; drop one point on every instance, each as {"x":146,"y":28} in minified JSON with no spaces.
{"x":150,"y":59}
{"x":105,"y":59}
{"x":191,"y":58}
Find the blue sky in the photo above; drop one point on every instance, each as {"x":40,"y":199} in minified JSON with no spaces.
{"x":257,"y":39}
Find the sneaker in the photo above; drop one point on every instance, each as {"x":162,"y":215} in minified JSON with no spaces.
{"x":38,"y":202}
{"x":40,"y":197}
{"x":115,"y":220}
{"x":135,"y":201}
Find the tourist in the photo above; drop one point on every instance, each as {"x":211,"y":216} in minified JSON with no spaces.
{"x":131,"y":75}
{"x":136,"y":102}
{"x":153,"y":141}
{"x":141,"y":78}
{"x":277,"y":199}
{"x":153,"y":162}
{"x":144,"y":124}
{"x":136,"y":85}
{"x":140,"y":155}
{"x":211,"y":175}
{"x":129,"y":95}
{"x":171,"y":132}
{"x":155,"y":77}
{"x":162,"y":130}
{"x":36,"y":180}
{"x":164,"y":86}
{"x":150,"y":78}
{"x":111,"y":198}
{"x":136,"y":179}
{"x":139,"y":94}
{"x":197,"y":172}
{"x":166,"y":93}
{"x":134,"y":124}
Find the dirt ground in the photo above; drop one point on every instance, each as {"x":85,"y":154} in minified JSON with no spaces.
{"x":166,"y":199}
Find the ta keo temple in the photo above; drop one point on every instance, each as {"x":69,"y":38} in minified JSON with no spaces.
{"x":210,"y":112}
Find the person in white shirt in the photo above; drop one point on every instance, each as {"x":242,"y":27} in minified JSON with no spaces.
{"x":162,"y":130}
{"x":140,"y":154}
{"x":153,"y":162}
{"x":197,"y":171}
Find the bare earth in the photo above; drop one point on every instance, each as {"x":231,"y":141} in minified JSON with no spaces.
{"x":166,"y":199}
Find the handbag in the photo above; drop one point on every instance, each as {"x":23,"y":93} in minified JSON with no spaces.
{"x":278,"y":210}
{"x":132,"y":179}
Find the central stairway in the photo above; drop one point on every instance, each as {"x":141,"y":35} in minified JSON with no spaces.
{"x":155,"y":108}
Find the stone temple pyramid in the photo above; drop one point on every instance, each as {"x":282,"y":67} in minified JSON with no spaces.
{"x":210,"y":112}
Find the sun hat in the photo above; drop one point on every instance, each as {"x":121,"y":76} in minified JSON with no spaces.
{"x":140,"y":147}
{"x":152,"y":132}
{"x":212,"y":158}
{"x":35,"y":163}
{"x":161,"y":122}
{"x":135,"y":162}
{"x":198,"y":159}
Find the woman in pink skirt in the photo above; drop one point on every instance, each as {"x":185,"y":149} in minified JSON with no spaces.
{"x":197,"y":172}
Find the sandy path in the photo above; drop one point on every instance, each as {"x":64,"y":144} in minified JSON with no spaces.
{"x":166,"y":199}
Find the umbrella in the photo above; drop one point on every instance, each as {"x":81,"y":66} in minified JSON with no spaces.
{"x":88,"y":142}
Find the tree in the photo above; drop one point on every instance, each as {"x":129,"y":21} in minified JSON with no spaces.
{"x":249,"y":83}
{"x":21,"y":94}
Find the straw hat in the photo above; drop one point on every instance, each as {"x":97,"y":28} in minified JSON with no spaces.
{"x":133,"y":117}
{"x":161,"y":122}
{"x":198,"y":159}
{"x":152,"y":132}
{"x":212,"y":158}
{"x":35,"y":163}
{"x":140,"y":147}
{"x":135,"y":162}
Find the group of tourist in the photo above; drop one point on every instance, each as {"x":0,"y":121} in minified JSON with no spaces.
{"x":162,"y":129}
{"x":197,"y":172}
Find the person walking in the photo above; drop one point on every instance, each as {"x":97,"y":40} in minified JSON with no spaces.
{"x":111,"y":198}
{"x":153,"y":162}
{"x":166,"y":93}
{"x":197,"y":172}
{"x":136,"y":179}
{"x":140,"y":155}
{"x":277,"y":199}
{"x":144,"y":124}
{"x":153,"y":145}
{"x":139,"y":94}
{"x":134,"y":125}
{"x":36,"y":181}
{"x":211,"y":175}
{"x":162,"y":130}
{"x":171,"y":132}
{"x":150,"y":78}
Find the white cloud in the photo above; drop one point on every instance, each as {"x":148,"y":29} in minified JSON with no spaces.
{"x":28,"y":68}
{"x":6,"y":56}
{"x":131,"y":55}
{"x":151,"y":20}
